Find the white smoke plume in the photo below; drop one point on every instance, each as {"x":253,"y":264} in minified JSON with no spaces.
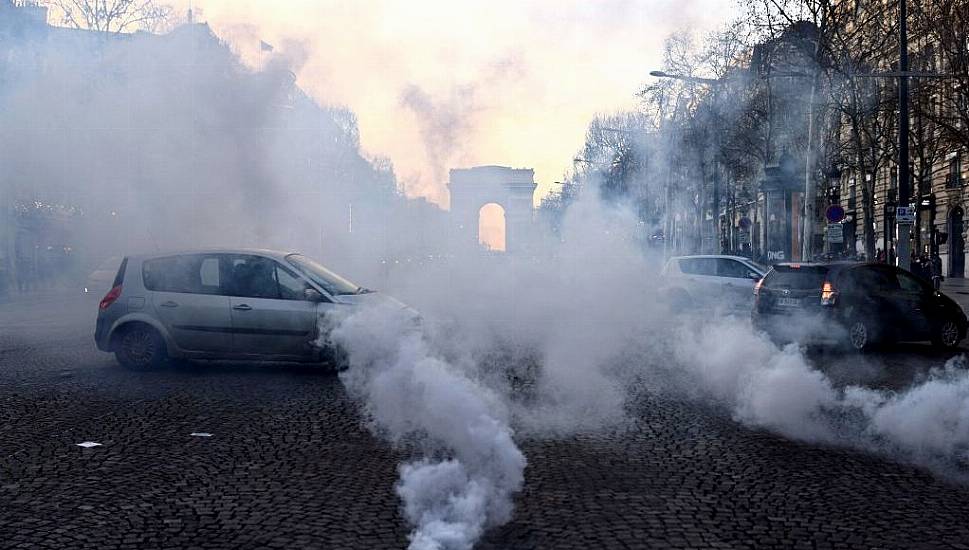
{"x":471,"y":467}
{"x":766,"y":386}
{"x":552,"y":346}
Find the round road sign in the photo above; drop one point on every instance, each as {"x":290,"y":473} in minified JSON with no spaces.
{"x":835,"y":213}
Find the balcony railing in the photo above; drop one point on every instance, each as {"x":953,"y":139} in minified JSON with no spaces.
{"x":953,"y":181}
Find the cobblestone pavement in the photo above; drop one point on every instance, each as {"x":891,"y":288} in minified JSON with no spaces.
{"x":289,"y":466}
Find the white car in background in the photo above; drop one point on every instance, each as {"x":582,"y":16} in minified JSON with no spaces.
{"x":711,"y":281}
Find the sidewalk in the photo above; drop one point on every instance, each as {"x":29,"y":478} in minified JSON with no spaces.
{"x":958,"y":290}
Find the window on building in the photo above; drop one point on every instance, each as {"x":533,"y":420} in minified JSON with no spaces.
{"x":954,"y":178}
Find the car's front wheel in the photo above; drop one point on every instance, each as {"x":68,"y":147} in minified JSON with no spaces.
{"x":947,"y":335}
{"x":140,"y":347}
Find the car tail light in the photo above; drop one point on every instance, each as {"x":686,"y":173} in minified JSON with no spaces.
{"x":828,"y":294}
{"x":110,"y":298}
{"x":760,"y":283}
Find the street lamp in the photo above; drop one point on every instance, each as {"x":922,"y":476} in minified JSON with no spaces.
{"x":713,"y":83}
{"x":807,"y":223}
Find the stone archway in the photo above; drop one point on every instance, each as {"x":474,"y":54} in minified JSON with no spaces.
{"x":510,"y":188}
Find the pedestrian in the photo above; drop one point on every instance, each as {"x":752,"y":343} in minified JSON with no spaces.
{"x":880,"y":256}
{"x":936,"y":268}
{"x":919,"y":265}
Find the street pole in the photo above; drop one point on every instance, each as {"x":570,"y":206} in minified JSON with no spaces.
{"x":904,"y":227}
{"x":716,"y":84}
{"x":716,"y":178}
{"x":810,"y":189}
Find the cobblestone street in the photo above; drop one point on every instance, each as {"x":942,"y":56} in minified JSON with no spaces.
{"x":288,"y":464}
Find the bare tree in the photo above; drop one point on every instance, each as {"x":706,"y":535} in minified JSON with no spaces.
{"x":111,"y":16}
{"x":943,"y":26}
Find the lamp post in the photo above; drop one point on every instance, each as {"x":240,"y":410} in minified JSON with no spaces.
{"x":717,"y":82}
{"x":714,"y":83}
{"x":904,"y":226}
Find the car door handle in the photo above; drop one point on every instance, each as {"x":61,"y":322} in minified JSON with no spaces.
{"x":169,"y":303}
{"x":242,"y":307}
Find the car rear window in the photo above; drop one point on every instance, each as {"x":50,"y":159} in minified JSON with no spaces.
{"x":798,"y":278}
{"x":119,"y":278}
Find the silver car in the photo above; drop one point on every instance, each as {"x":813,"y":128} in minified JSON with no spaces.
{"x":220,"y":304}
{"x":712,"y":280}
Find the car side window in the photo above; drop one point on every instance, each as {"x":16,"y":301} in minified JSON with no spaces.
{"x":189,"y":274}
{"x":209,"y":276}
{"x":252,"y":277}
{"x":881,"y":279}
{"x":699,"y":266}
{"x":291,"y":287}
{"x":909,"y":283}
{"x":732,"y":268}
{"x":852,"y":280}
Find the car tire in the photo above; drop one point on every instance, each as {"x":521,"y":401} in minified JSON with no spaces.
{"x":861,"y":335}
{"x":947,"y":334}
{"x":140,"y":347}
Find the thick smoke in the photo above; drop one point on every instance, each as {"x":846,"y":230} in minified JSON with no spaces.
{"x":169,"y":142}
{"x":564,"y":343}
{"x":412,"y":394}
{"x":157,"y":142}
{"x":765,"y":386}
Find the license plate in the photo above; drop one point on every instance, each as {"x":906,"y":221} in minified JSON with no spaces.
{"x":788,"y":302}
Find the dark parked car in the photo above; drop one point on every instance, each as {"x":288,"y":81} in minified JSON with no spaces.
{"x":859,"y":304}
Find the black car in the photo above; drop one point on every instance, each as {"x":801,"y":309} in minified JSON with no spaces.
{"x":860,"y":304}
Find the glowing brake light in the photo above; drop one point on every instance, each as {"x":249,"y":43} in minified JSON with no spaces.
{"x":828,"y":294}
{"x":110,"y":298}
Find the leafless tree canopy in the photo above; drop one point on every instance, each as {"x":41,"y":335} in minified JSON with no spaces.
{"x":111,"y":15}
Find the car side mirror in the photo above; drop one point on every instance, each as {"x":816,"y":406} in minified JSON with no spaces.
{"x":312,"y":295}
{"x":754,"y":276}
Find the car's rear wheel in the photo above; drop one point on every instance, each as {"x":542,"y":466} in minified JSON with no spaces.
{"x":861,"y":335}
{"x":140,"y":347}
{"x":947,"y":335}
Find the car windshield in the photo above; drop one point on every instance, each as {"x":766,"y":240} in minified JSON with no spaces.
{"x":331,"y":282}
{"x":797,"y":277}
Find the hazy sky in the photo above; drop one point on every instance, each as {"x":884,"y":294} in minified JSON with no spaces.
{"x":438,"y":84}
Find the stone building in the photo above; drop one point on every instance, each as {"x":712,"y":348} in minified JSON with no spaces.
{"x":472,"y":189}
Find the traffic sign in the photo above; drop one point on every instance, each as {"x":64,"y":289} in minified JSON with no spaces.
{"x":835,"y":233}
{"x":835,"y":213}
{"x":905,"y":214}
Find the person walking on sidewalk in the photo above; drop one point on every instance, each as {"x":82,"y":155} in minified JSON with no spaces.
{"x":935,"y":270}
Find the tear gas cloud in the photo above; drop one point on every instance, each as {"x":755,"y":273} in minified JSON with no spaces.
{"x":189,"y":148}
{"x":568,"y":343}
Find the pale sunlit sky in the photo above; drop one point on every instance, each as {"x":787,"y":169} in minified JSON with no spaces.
{"x":440,"y":84}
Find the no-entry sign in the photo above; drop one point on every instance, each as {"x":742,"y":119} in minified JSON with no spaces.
{"x":835,"y":213}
